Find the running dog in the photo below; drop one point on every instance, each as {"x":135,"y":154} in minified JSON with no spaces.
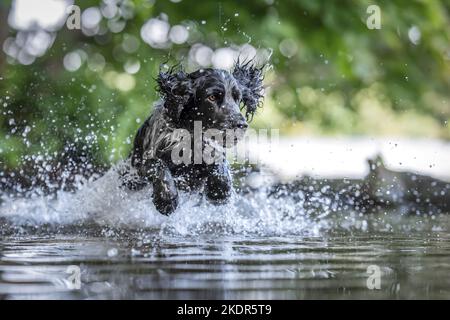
{"x":207,"y":99}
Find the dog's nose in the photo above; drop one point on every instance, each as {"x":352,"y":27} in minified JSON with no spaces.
{"x":242,"y":125}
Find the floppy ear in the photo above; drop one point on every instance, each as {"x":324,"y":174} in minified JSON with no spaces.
{"x":250,"y":79}
{"x":175,"y":88}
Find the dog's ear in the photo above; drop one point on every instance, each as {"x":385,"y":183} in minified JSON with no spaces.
{"x":175,"y":88}
{"x":250,"y":79}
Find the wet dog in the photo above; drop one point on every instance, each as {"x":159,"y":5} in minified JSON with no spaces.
{"x":207,"y":99}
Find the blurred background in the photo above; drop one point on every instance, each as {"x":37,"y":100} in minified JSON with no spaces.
{"x":338,"y":91}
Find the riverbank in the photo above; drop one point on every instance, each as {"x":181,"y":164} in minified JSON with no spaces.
{"x":346,"y":157}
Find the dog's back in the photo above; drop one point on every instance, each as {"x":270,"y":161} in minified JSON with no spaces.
{"x":154,"y":138}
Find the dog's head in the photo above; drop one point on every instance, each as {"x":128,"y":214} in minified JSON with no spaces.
{"x":212,"y":96}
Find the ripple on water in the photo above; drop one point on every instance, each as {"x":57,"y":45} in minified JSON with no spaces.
{"x":254,"y":247}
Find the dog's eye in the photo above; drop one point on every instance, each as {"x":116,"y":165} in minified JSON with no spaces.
{"x":212,"y":98}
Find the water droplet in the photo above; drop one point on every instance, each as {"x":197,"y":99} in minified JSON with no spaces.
{"x":112,"y":252}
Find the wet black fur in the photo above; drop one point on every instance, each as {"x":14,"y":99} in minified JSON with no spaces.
{"x":185,"y":100}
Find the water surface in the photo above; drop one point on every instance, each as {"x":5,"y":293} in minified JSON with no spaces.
{"x":252,"y":248}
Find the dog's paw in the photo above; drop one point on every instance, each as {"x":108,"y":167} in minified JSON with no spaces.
{"x":218,"y":198}
{"x":218,"y":193}
{"x":165,"y":199}
{"x":166,"y":206}
{"x":218,"y":187}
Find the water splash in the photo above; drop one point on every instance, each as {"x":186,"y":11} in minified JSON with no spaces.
{"x":101,"y":205}
{"x":107,"y":204}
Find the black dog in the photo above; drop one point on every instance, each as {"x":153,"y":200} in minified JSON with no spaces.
{"x":211,"y":96}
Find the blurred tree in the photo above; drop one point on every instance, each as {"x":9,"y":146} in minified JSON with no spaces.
{"x":91,"y":88}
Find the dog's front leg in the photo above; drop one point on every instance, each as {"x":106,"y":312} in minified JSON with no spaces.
{"x":218,"y":183}
{"x":165,"y":193}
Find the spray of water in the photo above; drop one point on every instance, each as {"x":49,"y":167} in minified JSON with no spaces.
{"x":106,"y":203}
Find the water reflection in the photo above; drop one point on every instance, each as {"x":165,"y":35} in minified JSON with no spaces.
{"x":150,"y":266}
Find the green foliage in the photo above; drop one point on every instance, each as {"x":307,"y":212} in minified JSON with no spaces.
{"x":338,"y":77}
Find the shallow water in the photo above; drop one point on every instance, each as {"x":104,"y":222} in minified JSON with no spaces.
{"x":412,"y":265}
{"x":253,"y":248}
